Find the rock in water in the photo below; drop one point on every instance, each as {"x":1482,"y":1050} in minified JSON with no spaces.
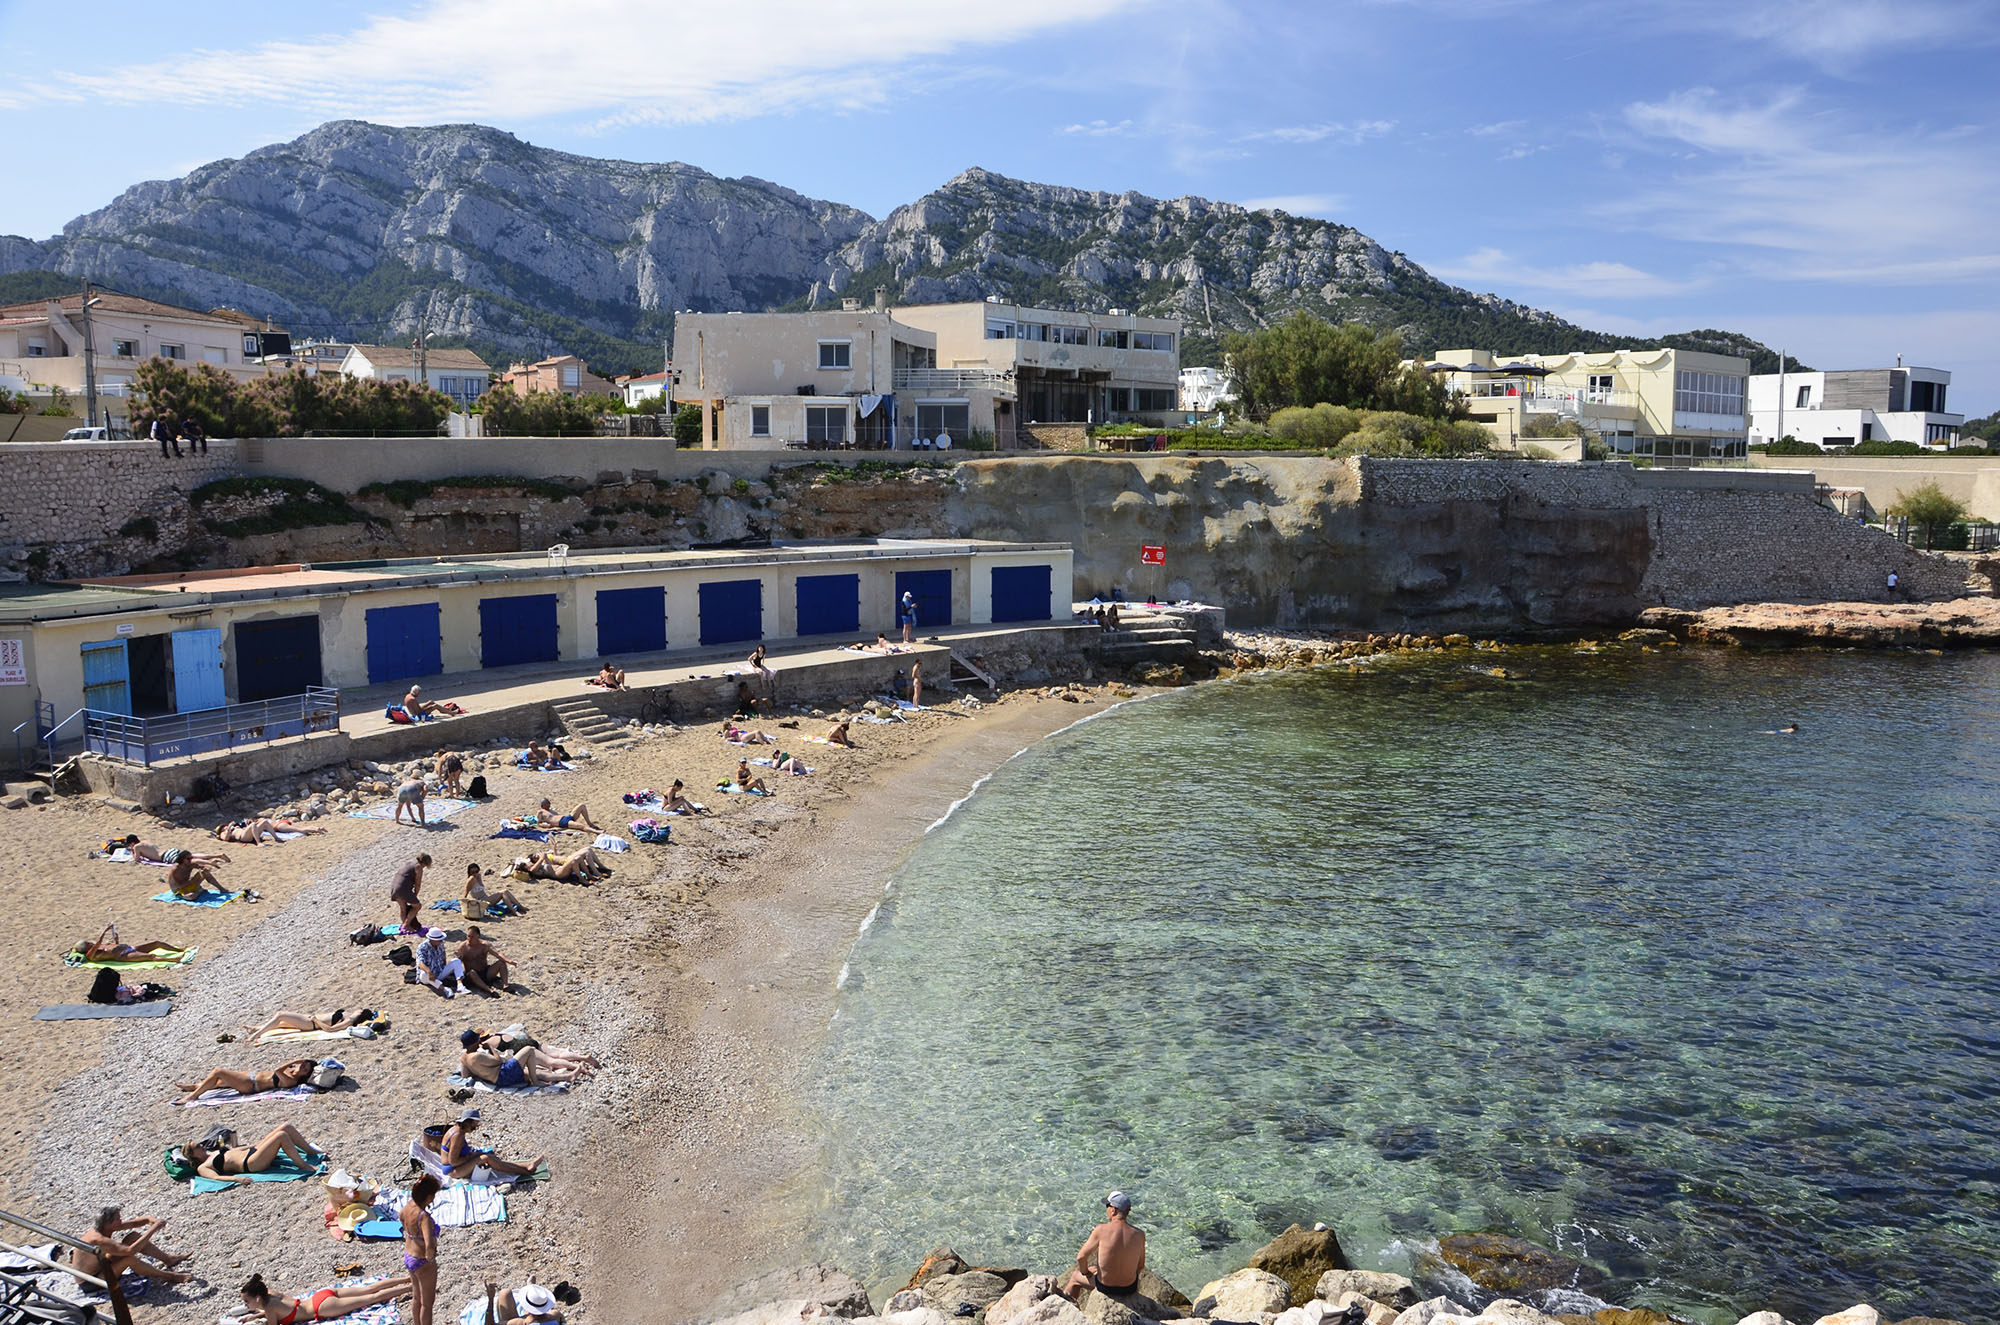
{"x":1390,"y":1289}
{"x":1243,"y":1296}
{"x":1505,"y":1265}
{"x":974,"y":1288}
{"x":942,"y":1260}
{"x":1858,"y":1314}
{"x":1430,"y":1309}
{"x":1156,"y":1287}
{"x":1299,"y":1256}
{"x":1016,"y":1300}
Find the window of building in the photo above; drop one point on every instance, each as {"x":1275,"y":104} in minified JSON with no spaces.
{"x":1805,"y":397}
{"x":826,"y":423}
{"x":214,"y":354}
{"x":1708,"y":393}
{"x":760,"y":420}
{"x":1601,"y":387}
{"x":172,"y":351}
{"x":1108,"y":339}
{"x":1152,"y":398}
{"x":836,"y":354}
{"x":572,"y":376}
{"x":1032,"y":331}
{"x":38,"y":349}
{"x":999,"y":330}
{"x":125,"y":349}
{"x":948,"y":416}
{"x":1069,"y":335}
{"x":1152,"y":340}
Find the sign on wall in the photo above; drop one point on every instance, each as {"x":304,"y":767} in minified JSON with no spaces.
{"x":13,"y":662}
{"x":1152,"y":554}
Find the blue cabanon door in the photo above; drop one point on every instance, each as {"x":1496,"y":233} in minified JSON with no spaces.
{"x":198,"y":670}
{"x":517,"y":630}
{"x":632,"y":620}
{"x":732,"y":610}
{"x":404,"y":643}
{"x":829,"y":604}
{"x":1021,"y":593}
{"x":933,"y":591}
{"x":275,"y":658}
{"x":107,"y":676}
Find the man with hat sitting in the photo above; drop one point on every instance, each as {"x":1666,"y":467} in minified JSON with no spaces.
{"x":530,"y":1304}
{"x":1112,"y":1257}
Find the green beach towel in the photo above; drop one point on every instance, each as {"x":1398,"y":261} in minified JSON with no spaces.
{"x":155,"y":964}
{"x":282,"y":1171}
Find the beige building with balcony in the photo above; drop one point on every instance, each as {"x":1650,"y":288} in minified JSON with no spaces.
{"x":882,"y":378}
{"x":41,"y":342}
{"x":1669,"y":406}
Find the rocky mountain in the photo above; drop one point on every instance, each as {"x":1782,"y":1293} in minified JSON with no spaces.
{"x":357,"y":231}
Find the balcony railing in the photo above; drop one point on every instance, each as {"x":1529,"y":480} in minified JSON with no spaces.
{"x":953,"y":379}
{"x":1572,"y":403}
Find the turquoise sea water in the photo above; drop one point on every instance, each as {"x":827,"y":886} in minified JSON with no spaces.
{"x":1582,"y":956}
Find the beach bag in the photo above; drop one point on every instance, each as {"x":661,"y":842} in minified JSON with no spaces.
{"x":652,"y":830}
{"x":366,"y":935}
{"x":476,"y":789}
{"x":400,"y":955}
{"x":177,"y":1165}
{"x":327,"y":1075}
{"x":104,"y":987}
{"x":397,"y":715}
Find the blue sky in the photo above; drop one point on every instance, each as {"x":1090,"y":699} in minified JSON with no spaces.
{"x":1823,"y":174}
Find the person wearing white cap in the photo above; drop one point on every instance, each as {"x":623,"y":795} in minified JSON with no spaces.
{"x":1112,"y":1257}
{"x":437,"y":968}
{"x":526,"y":1305}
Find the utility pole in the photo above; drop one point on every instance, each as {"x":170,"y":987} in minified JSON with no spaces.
{"x":89,"y":363}
{"x":1781,"y":396}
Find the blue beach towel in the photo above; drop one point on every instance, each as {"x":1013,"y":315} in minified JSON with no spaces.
{"x":282,"y":1171}
{"x":203,"y":899}
{"x":530,"y":834}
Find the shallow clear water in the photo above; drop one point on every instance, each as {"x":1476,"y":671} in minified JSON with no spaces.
{"x":1581,"y":956}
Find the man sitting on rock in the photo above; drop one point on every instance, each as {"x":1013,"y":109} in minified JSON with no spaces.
{"x":1112,"y":1257}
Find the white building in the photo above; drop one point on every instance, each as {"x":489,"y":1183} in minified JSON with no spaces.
{"x":1841,"y":408}
{"x":642,"y":387}
{"x":1204,"y":390}
{"x":460,"y":374}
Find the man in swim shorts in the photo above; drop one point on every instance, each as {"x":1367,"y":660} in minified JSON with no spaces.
{"x":1112,"y":1257}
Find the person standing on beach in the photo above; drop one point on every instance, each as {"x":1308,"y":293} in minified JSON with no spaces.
{"x":916,"y":684}
{"x":403,"y":892}
{"x":410,"y":796}
{"x":1893,"y":583}
{"x":909,"y":614}
{"x":420,"y":1243}
{"x":1112,"y":1257}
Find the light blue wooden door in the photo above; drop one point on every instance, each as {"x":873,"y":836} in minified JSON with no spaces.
{"x":107,"y":676}
{"x":198,"y":670}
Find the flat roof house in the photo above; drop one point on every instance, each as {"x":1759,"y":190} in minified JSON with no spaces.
{"x":1845,"y":406}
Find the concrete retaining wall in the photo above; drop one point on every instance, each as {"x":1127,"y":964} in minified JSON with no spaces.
{"x":1974,"y":480}
{"x":64,"y":492}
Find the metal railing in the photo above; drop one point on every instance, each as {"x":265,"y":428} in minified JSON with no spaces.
{"x":147,"y":741}
{"x":953,"y":379}
{"x":55,"y":1306}
{"x":1575,"y":402}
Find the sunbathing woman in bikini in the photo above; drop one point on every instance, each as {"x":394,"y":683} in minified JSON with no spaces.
{"x":170,"y":855}
{"x":340,"y":1019}
{"x":524,"y":1067}
{"x":234,"y":1163}
{"x":736,"y":735}
{"x":502,"y":1044}
{"x":295,"y":1073}
{"x":322,"y":1304}
{"x":577,"y":867}
{"x":253,"y":832}
{"x":106,"y":948}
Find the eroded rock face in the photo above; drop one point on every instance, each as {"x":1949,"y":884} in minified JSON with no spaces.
{"x":1502,"y":1264}
{"x":1244,"y":1295}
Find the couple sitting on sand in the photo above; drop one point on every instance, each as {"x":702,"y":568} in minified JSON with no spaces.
{"x":538,"y":755}
{"x":509,"y":1061}
{"x":476,"y":964}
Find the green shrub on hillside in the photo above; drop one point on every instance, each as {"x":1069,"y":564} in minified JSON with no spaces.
{"x":1790,"y":446}
{"x":1885,"y":448}
{"x":289,"y":404}
{"x":508,"y":413}
{"x":1319,"y":426}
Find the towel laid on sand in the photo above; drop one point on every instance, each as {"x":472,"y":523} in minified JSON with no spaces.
{"x":445,"y":904}
{"x":797,"y":769}
{"x":606,"y":842}
{"x":231,"y":1097}
{"x":462,"y":1207}
{"x":122,"y":856}
{"x":433,"y":1164}
{"x":200,"y":899}
{"x":731,"y":789}
{"x":137,"y":964}
{"x":92,"y":1011}
{"x":457,"y":1081}
{"x":645,"y":800}
{"x":903,"y":704}
{"x":300,"y":1037}
{"x":531,"y":834}
{"x":435,"y":807}
{"x":282,"y":1171}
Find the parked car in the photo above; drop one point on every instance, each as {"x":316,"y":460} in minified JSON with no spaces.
{"x":98,"y":435}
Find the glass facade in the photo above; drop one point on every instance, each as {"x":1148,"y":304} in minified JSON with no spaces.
{"x":1708,"y":393}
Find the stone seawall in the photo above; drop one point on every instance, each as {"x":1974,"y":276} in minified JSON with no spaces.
{"x":58,"y":494}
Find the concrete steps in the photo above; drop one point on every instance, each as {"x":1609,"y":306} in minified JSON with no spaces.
{"x":1146,"y":638}
{"x":589,"y":724}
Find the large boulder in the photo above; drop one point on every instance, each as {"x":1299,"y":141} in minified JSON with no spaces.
{"x":1630,"y":1316}
{"x":941,"y":1261}
{"x":1510,"y":1266}
{"x":1423,"y":1313}
{"x":836,"y":1290}
{"x":1156,"y":1287}
{"x":1300,"y":1256}
{"x":1103,"y":1309}
{"x":952,"y":1293}
{"x":1016,"y":1300}
{"x":1858,"y":1314}
{"x":1389,"y":1289}
{"x":1054,"y":1309}
{"x":1244,"y":1295}
{"x":1507,"y":1311}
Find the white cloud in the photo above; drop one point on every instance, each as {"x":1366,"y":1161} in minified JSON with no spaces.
{"x":1352,"y":133}
{"x":1322,"y":205}
{"x":1823,"y":198}
{"x":1501,"y":272}
{"x":514,"y":60}
{"x":1497,"y":129}
{"x":1100,"y":128}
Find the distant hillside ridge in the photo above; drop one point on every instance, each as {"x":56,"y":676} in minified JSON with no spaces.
{"x":360,"y":231}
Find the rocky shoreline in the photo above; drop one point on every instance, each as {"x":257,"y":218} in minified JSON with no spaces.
{"x":1955,"y":623}
{"x":1301,"y":1277}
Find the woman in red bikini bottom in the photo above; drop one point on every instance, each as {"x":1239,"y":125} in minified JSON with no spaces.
{"x":323,"y":1304}
{"x":420,"y":1248}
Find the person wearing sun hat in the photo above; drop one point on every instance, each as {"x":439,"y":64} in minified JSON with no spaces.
{"x":530,"y":1304}
{"x":1112,"y":1257}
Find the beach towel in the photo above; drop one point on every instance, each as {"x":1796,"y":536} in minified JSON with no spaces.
{"x":553,"y":766}
{"x":903,"y":704}
{"x":282,"y":1171}
{"x":651,"y":831}
{"x":203,"y":898}
{"x":92,"y":1011}
{"x":153,"y":964}
{"x":231,"y":1097}
{"x":797,"y":769}
{"x":457,"y":1081}
{"x":645,"y":800}
{"x":606,"y":842}
{"x":300,"y":1037}
{"x":531,"y":834}
{"x":436,"y":807}
{"x":731,"y":789}
{"x":874,"y":721}
{"x":433,"y":1164}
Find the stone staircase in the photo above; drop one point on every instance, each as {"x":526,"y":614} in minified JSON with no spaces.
{"x":1147,"y":637}
{"x":583,"y":721}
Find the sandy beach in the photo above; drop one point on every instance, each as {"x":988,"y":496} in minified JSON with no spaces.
{"x":702,"y":973}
